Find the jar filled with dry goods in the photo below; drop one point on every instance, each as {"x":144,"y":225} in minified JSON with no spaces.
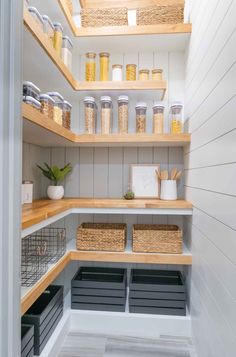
{"x":33,"y":102}
{"x":66,"y":115}
{"x":104,"y":66}
{"x":144,"y":74}
{"x":158,"y":118}
{"x":141,"y":110}
{"x":30,"y":90}
{"x":123,"y":114}
{"x":131,"y":72}
{"x":117,"y":72}
{"x":90,"y":115}
{"x":176,"y":118}
{"x":58,"y":106}
{"x":48,"y":28}
{"x":157,"y":74}
{"x":90,"y":67}
{"x":57,"y":42}
{"x":47,"y":105}
{"x":106,"y":115}
{"x":36,"y":15}
{"x":66,"y":51}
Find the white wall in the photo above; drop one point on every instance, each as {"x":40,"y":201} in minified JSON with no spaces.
{"x":210,"y":166}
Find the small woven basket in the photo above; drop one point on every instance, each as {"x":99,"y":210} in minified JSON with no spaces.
{"x":102,"y":236}
{"x":169,"y":14}
{"x":157,"y":238}
{"x":104,"y":17}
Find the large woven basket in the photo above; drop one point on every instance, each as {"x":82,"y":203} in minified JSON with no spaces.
{"x":169,"y":14}
{"x":102,"y":236}
{"x":104,"y":17}
{"x":157,"y":238}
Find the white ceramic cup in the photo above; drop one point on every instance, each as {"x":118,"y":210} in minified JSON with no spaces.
{"x":168,"y":190}
{"x":55,"y":192}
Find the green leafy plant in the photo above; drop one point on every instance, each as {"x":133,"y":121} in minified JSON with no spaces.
{"x":54,"y":173}
{"x":129,"y":195}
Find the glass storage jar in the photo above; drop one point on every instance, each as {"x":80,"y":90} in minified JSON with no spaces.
{"x":90,"y":67}
{"x":117,"y":72}
{"x":58,"y":106}
{"x":176,"y":118}
{"x":30,"y":89}
{"x":36,"y":15}
{"x":48,"y":28}
{"x":90,"y":115}
{"x":66,"y":51}
{"x":104,"y":66}
{"x":144,"y":74}
{"x":106,"y":115}
{"x":47,"y":105}
{"x":57,"y":41}
{"x":141,"y":110}
{"x":26,"y":2}
{"x":157,"y":74}
{"x":131,"y":72}
{"x":158,"y":118}
{"x":66,"y":115}
{"x":33,"y":102}
{"x":123,"y":114}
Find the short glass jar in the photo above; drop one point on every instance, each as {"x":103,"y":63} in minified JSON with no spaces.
{"x":117,"y":72}
{"x":30,"y":90}
{"x":123,"y":114}
{"x":144,"y":74}
{"x":90,"y":115}
{"x":106,"y":115}
{"x":58,"y":106}
{"x":90,"y":67}
{"x":104,"y":66}
{"x":141,"y":110}
{"x":131,"y":72}
{"x":36,"y":15}
{"x":176,"y":118}
{"x":66,"y":115}
{"x":57,"y":41}
{"x":66,"y":51}
{"x":157,"y":74}
{"x":33,"y":102}
{"x":47,"y":105}
{"x":158,"y":118}
{"x":48,"y":28}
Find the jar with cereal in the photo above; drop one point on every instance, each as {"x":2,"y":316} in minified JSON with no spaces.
{"x":158,"y":118}
{"x":47,"y":105}
{"x":141,"y":109}
{"x":90,"y":115}
{"x":106,"y":115}
{"x":123,"y":114}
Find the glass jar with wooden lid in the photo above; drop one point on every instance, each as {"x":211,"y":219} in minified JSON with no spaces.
{"x":104,"y":66}
{"x":90,"y":67}
{"x":157,"y":74}
{"x":131,"y":72}
{"x":117,"y":72}
{"x":158,"y":118}
{"x":144,"y":74}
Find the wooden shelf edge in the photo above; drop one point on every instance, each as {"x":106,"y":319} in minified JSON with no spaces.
{"x":123,"y":85}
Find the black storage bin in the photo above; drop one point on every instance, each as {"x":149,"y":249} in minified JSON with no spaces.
{"x":157,"y":292}
{"x":45,"y":314}
{"x":27,"y":340}
{"x":103,"y":289}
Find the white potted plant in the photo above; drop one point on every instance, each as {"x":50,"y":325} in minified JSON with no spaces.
{"x":55,"y":175}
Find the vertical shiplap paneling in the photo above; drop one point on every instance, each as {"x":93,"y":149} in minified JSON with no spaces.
{"x":115,"y":167}
{"x":86,"y":172}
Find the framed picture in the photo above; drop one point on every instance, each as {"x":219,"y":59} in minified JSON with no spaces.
{"x":144,"y":182}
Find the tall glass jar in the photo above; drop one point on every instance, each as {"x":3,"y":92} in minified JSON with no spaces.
{"x":90,"y":67}
{"x":104,"y":66}
{"x":176,"y":118}
{"x":48,"y":28}
{"x":131,"y":72}
{"x":144,"y":74}
{"x":90,"y":115}
{"x":141,"y":110}
{"x":58,"y":31}
{"x":123,"y":114}
{"x":106,"y":115}
{"x":66,"y":115}
{"x":158,"y":118}
{"x":66,"y":51}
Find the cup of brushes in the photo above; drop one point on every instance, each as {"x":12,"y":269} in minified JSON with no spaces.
{"x":168,"y":184}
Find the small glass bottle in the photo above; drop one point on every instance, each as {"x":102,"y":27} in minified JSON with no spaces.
{"x":141,"y":109}
{"x":123,"y":114}
{"x":90,"y":67}
{"x":89,"y":115}
{"x":66,"y":51}
{"x":131,"y":72}
{"x":176,"y":118}
{"x":144,"y":74}
{"x":117,"y":72}
{"x":158,"y":118}
{"x":104,"y":66}
{"x":106,"y":115}
{"x":157,"y":74}
{"x":58,"y":31}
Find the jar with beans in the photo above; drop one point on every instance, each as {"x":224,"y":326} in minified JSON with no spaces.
{"x":158,"y":118}
{"x":58,"y":32}
{"x":47,"y":105}
{"x":90,"y":67}
{"x":66,"y":115}
{"x":131,"y":72}
{"x":176,"y":118}
{"x":141,"y":110}
{"x":123,"y":114}
{"x":106,"y":115}
{"x":58,"y":106}
{"x":90,"y":115}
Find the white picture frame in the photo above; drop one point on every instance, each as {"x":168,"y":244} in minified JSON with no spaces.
{"x":144,"y":181}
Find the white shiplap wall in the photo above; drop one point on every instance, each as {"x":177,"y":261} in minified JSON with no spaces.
{"x":210,"y":167}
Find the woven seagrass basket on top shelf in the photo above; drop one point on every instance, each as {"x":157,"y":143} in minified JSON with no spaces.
{"x":104,"y":17}
{"x":154,"y":15}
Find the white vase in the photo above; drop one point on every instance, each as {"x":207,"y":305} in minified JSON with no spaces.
{"x":168,"y":190}
{"x":55,"y":192}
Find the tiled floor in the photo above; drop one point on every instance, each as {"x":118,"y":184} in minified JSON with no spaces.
{"x":91,"y":345}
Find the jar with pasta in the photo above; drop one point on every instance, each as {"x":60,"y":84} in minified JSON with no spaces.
{"x":106,"y":115}
{"x":90,"y":67}
{"x":144,"y":74}
{"x":141,"y":110}
{"x":176,"y":118}
{"x":90,"y":115}
{"x":66,"y":114}
{"x":58,"y":106}
{"x":104,"y":66}
{"x":158,"y":118}
{"x":157,"y":74}
{"x":58,"y":32}
{"x":123,"y":114}
{"x":131,"y":72}
{"x":47,"y":105}
{"x":48,"y":28}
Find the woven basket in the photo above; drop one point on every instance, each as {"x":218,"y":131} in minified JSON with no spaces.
{"x":169,"y":14}
{"x":104,"y":17}
{"x":102,"y":236}
{"x":157,"y":238}
{"x":70,"y":6}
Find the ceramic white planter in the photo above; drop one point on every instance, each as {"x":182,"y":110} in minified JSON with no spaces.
{"x":55,"y":192}
{"x":168,"y":190}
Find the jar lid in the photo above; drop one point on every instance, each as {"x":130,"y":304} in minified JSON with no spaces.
{"x":67,"y":103}
{"x":106,"y":98}
{"x":158,"y":105}
{"x":176,"y":105}
{"x":117,"y":66}
{"x":27,"y":182}
{"x":131,"y":65}
{"x":46,"y":96}
{"x":67,"y":38}
{"x":157,"y":70}
{"x":90,"y":55}
{"x":31,"y":85}
{"x":141,"y":105}
{"x":123,"y":98}
{"x":104,"y":54}
{"x":144,"y":71}
{"x":56,"y":96}
{"x":58,"y":25}
{"x":32,"y":100}
{"x":36,"y":12}
{"x":46,"y":18}
{"x":89,"y":100}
